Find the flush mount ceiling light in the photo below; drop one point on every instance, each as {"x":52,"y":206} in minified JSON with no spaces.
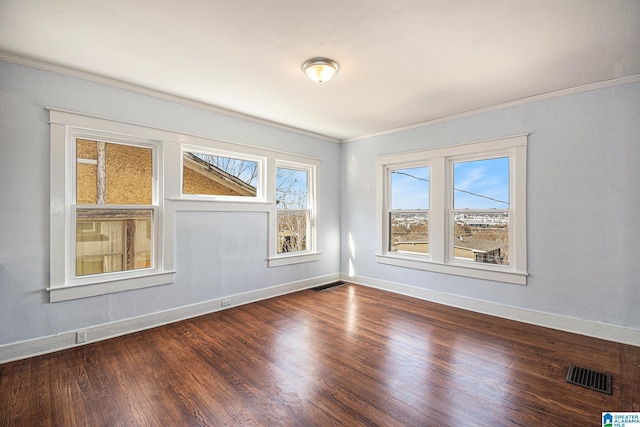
{"x":320,"y":70}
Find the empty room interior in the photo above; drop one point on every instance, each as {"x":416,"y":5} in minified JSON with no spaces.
{"x":296,"y":213}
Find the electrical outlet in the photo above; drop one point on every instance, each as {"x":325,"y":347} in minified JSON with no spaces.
{"x":81,"y":336}
{"x":226,"y":302}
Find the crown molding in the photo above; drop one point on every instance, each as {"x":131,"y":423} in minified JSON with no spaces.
{"x":95,"y":78}
{"x":515,"y":103}
{"x":59,"y":69}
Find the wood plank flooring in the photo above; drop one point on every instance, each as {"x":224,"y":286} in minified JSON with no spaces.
{"x":345,"y":356}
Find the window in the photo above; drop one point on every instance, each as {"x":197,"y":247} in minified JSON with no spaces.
{"x":116,"y":188}
{"x":292,"y":190}
{"x":106,"y":211}
{"x":113,"y":207}
{"x":113,"y":240}
{"x":295,"y":213}
{"x":479,"y":218}
{"x":222,"y":176}
{"x":225,"y":176}
{"x":458,"y":210}
{"x":409,"y":210}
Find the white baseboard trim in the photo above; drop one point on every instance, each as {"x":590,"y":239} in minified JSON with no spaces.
{"x":574,"y":325}
{"x":49,"y":344}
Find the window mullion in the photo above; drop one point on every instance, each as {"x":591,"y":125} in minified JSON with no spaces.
{"x":438,"y":212}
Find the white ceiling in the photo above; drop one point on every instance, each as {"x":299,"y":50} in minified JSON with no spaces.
{"x":402,"y":62}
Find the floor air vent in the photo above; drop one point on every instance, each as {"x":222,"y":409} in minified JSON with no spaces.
{"x":594,"y":380}
{"x":328,"y":285}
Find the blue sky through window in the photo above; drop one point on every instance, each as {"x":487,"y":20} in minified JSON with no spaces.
{"x":291,"y":188}
{"x":481,"y":184}
{"x":410,"y":188}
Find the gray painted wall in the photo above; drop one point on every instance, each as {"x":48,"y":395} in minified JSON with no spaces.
{"x":217,"y":253}
{"x":583,"y":204}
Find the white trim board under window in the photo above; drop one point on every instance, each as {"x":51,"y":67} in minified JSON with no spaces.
{"x":437,"y":230}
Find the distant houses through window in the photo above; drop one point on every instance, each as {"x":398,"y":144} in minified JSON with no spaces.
{"x":458,"y":209}
{"x":480,"y":212}
{"x":409,"y":210}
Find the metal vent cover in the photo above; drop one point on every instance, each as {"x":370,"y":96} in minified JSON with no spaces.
{"x":594,"y":380}
{"x":328,"y":285}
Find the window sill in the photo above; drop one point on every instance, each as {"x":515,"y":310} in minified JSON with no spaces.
{"x":293,"y":259}
{"x":76,"y":291}
{"x":478,"y":272}
{"x":216,"y":199}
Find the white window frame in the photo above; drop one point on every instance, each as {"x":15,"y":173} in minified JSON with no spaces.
{"x":260,"y":196}
{"x":168,"y":198}
{"x":389,"y":211}
{"x":440,"y":161}
{"x":66,"y":128}
{"x":270,"y":160}
{"x":311,"y":253}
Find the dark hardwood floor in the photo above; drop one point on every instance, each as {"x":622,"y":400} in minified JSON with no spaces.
{"x":345,"y":356}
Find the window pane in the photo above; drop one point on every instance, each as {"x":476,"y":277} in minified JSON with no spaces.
{"x":113,"y":174}
{"x":291,"y":188}
{"x":219,"y":176}
{"x":112,"y":240}
{"x":481,"y":237}
{"x":481,"y":184}
{"x":410,"y":188}
{"x":409,"y":232}
{"x":292,"y":230}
